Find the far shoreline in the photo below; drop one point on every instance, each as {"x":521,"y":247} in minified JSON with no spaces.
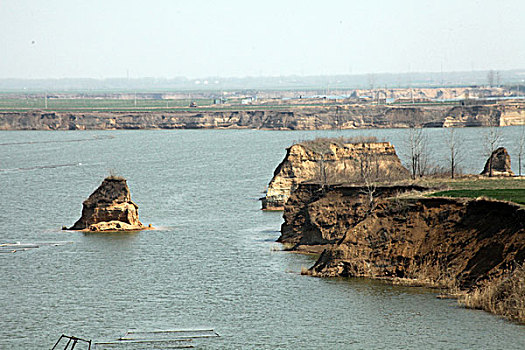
{"x":341,"y":116}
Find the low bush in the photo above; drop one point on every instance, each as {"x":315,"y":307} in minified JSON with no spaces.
{"x":503,"y":296}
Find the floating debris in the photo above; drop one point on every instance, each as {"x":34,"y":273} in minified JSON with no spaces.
{"x":17,"y":246}
{"x":151,"y":344}
{"x":52,"y":166}
{"x":94,"y":138}
{"x":172,"y":338}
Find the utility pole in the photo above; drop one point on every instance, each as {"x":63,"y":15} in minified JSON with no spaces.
{"x":45,"y":100}
{"x":442,"y":81}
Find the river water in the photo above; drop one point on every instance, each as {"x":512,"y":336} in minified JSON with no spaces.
{"x":213,"y":262}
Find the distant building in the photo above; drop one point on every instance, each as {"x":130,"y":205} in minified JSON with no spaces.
{"x":248,"y":100}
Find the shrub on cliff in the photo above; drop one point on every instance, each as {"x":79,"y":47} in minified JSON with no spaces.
{"x":321,"y":145}
{"x":113,"y":175}
{"x":116,"y":178}
{"x":503,"y":296}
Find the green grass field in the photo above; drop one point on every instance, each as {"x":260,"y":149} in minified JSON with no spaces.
{"x":516,"y":195}
{"x":473,"y":186}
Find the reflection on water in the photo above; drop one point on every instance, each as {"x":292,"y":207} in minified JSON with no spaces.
{"x":211,"y":262}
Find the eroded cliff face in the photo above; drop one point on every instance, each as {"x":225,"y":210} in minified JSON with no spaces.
{"x":512,"y":116}
{"x":317,"y":216}
{"x":109,"y":208}
{"x":431,"y":241}
{"x":335,"y":161}
{"x":348,"y":116}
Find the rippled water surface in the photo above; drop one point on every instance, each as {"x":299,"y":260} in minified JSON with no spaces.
{"x":212,"y":262}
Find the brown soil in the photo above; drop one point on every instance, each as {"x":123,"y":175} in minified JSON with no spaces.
{"x":344,"y":116}
{"x":109,"y":208}
{"x":442,"y":242}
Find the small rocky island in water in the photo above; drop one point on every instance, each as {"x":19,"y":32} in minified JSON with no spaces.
{"x":110,"y":208}
{"x":380,"y":224}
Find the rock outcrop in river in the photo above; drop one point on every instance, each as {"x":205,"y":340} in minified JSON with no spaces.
{"x":345,"y":116}
{"x":498,"y":164}
{"x":332,"y":161}
{"x":109,"y":208}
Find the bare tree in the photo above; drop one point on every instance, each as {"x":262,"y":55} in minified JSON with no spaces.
{"x":455,"y":145}
{"x":416,"y":144}
{"x":520,"y":148}
{"x":491,"y":139}
{"x":370,"y":175}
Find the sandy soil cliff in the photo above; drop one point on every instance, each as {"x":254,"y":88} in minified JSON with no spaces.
{"x":348,"y":116}
{"x":109,"y":208}
{"x":331,"y":161}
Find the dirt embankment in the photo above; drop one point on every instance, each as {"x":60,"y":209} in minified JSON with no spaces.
{"x":317,"y":217}
{"x":294,"y":118}
{"x":443,"y":242}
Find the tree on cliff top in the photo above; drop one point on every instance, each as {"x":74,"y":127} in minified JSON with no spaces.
{"x":323,"y":176}
{"x":455,"y":145}
{"x":491,"y":139}
{"x":416,"y":149}
{"x":520,"y":147}
{"x":370,"y":175}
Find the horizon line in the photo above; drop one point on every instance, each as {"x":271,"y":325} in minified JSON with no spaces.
{"x":268,"y":76}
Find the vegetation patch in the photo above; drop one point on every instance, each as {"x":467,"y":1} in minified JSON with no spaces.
{"x":516,"y":195}
{"x":503,"y":296}
{"x":321,"y":145}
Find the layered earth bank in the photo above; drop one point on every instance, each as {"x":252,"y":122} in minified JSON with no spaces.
{"x":329,"y":161}
{"x":430,"y":241}
{"x":285,"y":118}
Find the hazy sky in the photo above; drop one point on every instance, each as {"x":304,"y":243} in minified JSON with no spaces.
{"x":162,"y":38}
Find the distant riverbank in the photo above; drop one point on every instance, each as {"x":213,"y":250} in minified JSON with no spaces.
{"x":335,"y":117}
